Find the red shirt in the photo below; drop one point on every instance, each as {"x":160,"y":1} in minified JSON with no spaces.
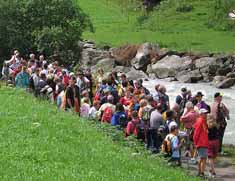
{"x":200,"y":136}
{"x":131,"y":127}
{"x":125,"y":101}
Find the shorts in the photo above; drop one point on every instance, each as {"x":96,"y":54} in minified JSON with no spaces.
{"x":213,"y":148}
{"x":202,"y":152}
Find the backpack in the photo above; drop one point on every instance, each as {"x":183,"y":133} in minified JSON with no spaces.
{"x":107,"y":115}
{"x":166,"y":145}
{"x":122,"y":121}
{"x":147,"y":114}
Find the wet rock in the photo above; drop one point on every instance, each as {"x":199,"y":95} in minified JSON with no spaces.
{"x":223,"y":71}
{"x":231,"y":75}
{"x":227,"y":83}
{"x":169,"y":66}
{"x":136,"y":74}
{"x":189,"y":76}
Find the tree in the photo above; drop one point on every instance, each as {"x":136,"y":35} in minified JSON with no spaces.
{"x":46,"y":26}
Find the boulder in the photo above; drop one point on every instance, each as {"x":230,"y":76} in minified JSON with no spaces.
{"x":107,"y":64}
{"x":223,"y":71}
{"x":218,"y":79}
{"x":122,"y":69}
{"x":169,"y":66}
{"x":189,"y":76}
{"x":227,"y":83}
{"x":145,"y":53}
{"x":231,"y":75}
{"x":124,"y":54}
{"x":136,"y":74}
{"x":205,"y":62}
{"x":90,"y":57}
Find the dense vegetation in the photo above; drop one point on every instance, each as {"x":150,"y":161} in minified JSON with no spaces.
{"x":45,"y":26}
{"x":187,"y":25}
{"x":40,"y":143}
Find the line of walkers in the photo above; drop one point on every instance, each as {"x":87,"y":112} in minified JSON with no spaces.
{"x":127,"y":104}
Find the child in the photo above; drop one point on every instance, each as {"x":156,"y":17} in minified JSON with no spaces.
{"x":175,"y":145}
{"x":213,"y":137}
{"x":132,"y":125}
{"x":93,"y":112}
{"x":85,"y":108}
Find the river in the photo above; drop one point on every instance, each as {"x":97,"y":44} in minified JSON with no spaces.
{"x":173,"y":89}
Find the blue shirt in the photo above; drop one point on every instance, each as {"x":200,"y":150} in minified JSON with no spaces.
{"x":175,"y":147}
{"x":115,"y":118}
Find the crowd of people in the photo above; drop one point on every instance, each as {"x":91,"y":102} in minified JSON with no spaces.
{"x":189,"y":123}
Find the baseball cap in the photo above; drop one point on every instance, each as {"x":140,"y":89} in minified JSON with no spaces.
{"x":218,"y":94}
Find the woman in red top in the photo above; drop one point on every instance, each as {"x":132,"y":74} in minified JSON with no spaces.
{"x":200,"y":139}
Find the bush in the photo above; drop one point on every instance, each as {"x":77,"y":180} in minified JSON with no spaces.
{"x":46,"y":26}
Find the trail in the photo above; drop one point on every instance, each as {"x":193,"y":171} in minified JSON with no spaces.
{"x":225,"y":168}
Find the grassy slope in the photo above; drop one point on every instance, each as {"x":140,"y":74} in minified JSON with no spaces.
{"x":179,"y":31}
{"x":39,"y":143}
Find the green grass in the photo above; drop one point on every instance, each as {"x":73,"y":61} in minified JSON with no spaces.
{"x":189,"y":31}
{"x":38,"y":142}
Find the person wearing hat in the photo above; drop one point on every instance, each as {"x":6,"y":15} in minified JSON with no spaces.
{"x":200,"y":139}
{"x":200,"y":103}
{"x":220,"y":112}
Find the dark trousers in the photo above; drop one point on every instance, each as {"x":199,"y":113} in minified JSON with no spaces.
{"x":153,"y":139}
{"x":221,"y":135}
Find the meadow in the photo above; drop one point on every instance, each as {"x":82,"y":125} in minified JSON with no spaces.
{"x":119,"y":22}
{"x":38,"y":142}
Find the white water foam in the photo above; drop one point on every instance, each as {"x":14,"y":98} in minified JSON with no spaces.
{"x":173,"y":89}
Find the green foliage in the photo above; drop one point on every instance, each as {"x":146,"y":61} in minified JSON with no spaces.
{"x":219,"y":16}
{"x":38,"y":142}
{"x":46,"y":26}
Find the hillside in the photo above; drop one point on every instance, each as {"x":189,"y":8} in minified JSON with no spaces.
{"x":118,"y":22}
{"x":40,"y":143}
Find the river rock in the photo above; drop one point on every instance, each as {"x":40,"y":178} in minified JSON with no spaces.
{"x":107,"y":64}
{"x":169,"y":66}
{"x":136,"y":74}
{"x":231,"y":75}
{"x":122,"y":69}
{"x":205,"y":62}
{"x":218,"y":79}
{"x":223,"y":71}
{"x":145,"y":53}
{"x":227,"y":83}
{"x":189,"y":76}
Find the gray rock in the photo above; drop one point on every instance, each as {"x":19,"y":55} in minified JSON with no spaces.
{"x":136,"y":74}
{"x":231,"y":75}
{"x":189,"y":76}
{"x":169,"y":66}
{"x":227,"y":83}
{"x":107,"y":64}
{"x":218,"y":79}
{"x":122,"y":69}
{"x":223,"y":71}
{"x":205,"y":62}
{"x":89,"y":45}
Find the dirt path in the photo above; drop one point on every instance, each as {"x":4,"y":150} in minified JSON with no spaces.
{"x":225,"y":169}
